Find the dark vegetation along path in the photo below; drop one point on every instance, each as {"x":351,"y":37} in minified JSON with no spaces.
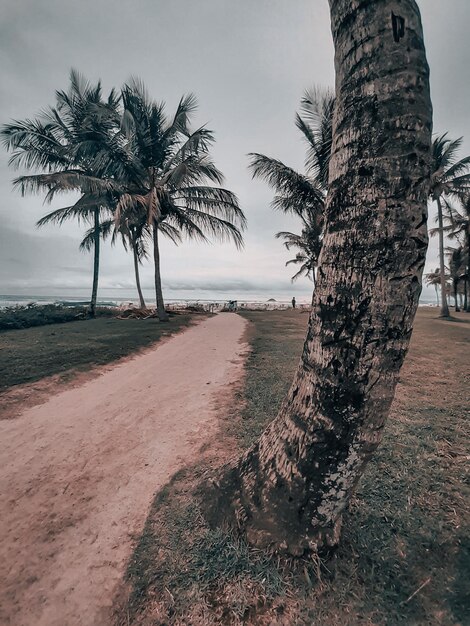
{"x":80,"y":470}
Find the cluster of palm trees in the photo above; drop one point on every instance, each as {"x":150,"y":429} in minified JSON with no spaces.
{"x":139,"y":173}
{"x":304,"y":195}
{"x":450,"y":189}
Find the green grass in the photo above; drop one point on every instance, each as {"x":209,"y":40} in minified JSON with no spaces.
{"x":406,"y":530}
{"x":29,"y":354}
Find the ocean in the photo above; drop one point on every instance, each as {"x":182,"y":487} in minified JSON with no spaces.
{"x":119,"y":297}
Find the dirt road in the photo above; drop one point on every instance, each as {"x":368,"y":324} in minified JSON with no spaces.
{"x":78,"y":473}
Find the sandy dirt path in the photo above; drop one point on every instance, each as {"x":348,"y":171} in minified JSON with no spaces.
{"x":79,"y":472}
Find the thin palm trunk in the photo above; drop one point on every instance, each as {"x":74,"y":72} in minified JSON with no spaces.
{"x":437,"y":294}
{"x":442,"y":267}
{"x":291,"y":488}
{"x":136,"y":270}
{"x":137,"y":274}
{"x":162,"y":314}
{"x":456,"y":301}
{"x":96,"y":261}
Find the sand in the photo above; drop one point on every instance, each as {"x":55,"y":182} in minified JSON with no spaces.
{"x":79,"y":472}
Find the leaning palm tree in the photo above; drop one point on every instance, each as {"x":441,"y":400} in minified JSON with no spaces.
{"x":449,"y":177}
{"x":64,"y":143}
{"x":299,"y":194}
{"x":165,"y":172}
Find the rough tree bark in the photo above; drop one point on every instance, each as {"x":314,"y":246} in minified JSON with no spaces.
{"x":290,"y":489}
{"x":162,"y":314}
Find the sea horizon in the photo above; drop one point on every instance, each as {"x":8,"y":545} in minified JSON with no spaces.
{"x":118,"y":297}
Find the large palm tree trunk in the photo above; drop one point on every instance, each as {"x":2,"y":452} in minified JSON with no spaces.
{"x":96,"y":261}
{"x":291,"y":488}
{"x":162,"y":314}
{"x":442,"y":266}
{"x":137,"y":274}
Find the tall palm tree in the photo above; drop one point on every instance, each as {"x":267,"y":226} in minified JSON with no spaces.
{"x":165,"y":173}
{"x":449,"y":177}
{"x":299,"y":194}
{"x":290,"y":490}
{"x":64,"y":143}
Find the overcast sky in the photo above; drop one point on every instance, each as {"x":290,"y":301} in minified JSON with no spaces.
{"x":249,"y":62}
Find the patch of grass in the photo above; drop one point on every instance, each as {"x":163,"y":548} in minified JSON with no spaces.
{"x":404,"y":558}
{"x":29,"y":354}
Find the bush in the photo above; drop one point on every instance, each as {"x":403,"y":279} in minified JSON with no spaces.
{"x":39,"y":315}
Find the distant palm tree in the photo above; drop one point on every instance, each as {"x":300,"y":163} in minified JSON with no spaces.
{"x":456,"y":257}
{"x":164,"y":174}
{"x":450,"y":177}
{"x":64,"y":143}
{"x":457,"y":220}
{"x":308,"y":243}
{"x":299,"y":194}
{"x":434,"y":278}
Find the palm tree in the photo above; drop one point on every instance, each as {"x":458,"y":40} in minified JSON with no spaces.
{"x":299,"y":194}
{"x":308,"y":244}
{"x":164,"y":173}
{"x":457,"y":226}
{"x":456,"y":257}
{"x":64,"y":143}
{"x":434,"y":278}
{"x":289,"y":491}
{"x":449,"y":177}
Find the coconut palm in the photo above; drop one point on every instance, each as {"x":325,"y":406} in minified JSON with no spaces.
{"x":456,"y":257}
{"x":63,"y":143}
{"x":450,"y":177}
{"x":434,"y":279}
{"x":457,"y":226}
{"x":164,"y":173}
{"x":299,"y":194}
{"x":290,"y":490}
{"x":308,"y":244}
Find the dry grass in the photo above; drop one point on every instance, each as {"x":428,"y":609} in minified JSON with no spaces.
{"x":405,"y":552}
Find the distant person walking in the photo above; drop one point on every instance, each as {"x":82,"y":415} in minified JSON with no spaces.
{"x":293,"y":302}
